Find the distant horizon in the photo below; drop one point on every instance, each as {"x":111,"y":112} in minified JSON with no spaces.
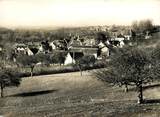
{"x":60,"y":27}
{"x":79,"y":13}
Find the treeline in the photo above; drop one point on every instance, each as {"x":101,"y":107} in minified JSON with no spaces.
{"x":38,"y":35}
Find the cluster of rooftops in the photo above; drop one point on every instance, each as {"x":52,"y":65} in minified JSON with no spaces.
{"x":75,"y":47}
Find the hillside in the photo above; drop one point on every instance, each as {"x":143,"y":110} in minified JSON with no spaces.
{"x":70,"y":95}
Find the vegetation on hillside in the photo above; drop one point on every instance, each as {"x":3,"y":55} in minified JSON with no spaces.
{"x":132,"y":66}
{"x":8,"y":78}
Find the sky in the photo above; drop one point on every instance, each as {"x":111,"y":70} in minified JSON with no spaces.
{"x":62,"y":13}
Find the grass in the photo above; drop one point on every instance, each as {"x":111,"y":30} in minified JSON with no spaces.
{"x":55,"y":69}
{"x":71,"y":95}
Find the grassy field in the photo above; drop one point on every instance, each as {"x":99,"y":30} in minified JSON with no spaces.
{"x":72,"y":95}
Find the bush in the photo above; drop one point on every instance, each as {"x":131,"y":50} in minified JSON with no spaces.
{"x":8,"y":77}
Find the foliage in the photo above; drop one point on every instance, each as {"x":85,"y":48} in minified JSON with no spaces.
{"x":28,"y":61}
{"x":8,"y":77}
{"x":102,"y":36}
{"x":85,"y":61}
{"x":58,"y":57}
{"x":142,"y":26}
{"x":43,"y":58}
{"x":129,"y":67}
{"x":155,"y":54}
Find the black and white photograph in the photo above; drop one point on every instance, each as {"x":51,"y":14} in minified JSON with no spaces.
{"x":79,"y":58}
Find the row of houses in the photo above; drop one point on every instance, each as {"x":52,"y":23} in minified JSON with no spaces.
{"x":75,"y":50}
{"x":75,"y":47}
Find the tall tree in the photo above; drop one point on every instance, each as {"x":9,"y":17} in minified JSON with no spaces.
{"x":135,"y":26}
{"x":129,"y":67}
{"x":142,"y":26}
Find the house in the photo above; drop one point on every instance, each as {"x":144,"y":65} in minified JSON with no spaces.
{"x":53,"y":45}
{"x":32,"y":51}
{"x":127,"y":37}
{"x":118,"y":41}
{"x":1,"y":48}
{"x":75,"y":43}
{"x":24,"y":49}
{"x":104,"y":50}
{"x":44,"y":47}
{"x":148,"y":35}
{"x":1,"y":52}
{"x":58,"y":45}
{"x":72,"y":57}
{"x":86,"y":50}
{"x":69,"y":59}
{"x":76,"y":52}
{"x":89,"y":42}
{"x":20,"y":48}
{"x":114,"y":43}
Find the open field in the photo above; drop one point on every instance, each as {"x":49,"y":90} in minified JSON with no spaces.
{"x":72,"y":95}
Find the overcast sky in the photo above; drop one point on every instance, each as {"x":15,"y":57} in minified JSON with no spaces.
{"x":41,"y":13}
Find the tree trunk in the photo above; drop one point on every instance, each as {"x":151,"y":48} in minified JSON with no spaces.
{"x":140,"y":93}
{"x":81,"y":72}
{"x":80,"y":69}
{"x":126,"y":88}
{"x":32,"y":71}
{"x":2,"y":91}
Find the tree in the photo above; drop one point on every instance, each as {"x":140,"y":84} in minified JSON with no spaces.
{"x":85,"y":61}
{"x":8,"y":78}
{"x":155,"y":55}
{"x":28,"y":61}
{"x":135,"y":26}
{"x":46,"y":46}
{"x":142,"y":26}
{"x":43,"y":58}
{"x":58,"y":57}
{"x":145,"y":25}
{"x":129,"y":67}
{"x":102,"y":36}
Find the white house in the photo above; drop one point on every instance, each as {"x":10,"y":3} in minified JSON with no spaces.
{"x":20,"y":48}
{"x":29,"y":52}
{"x":40,"y":49}
{"x":148,"y":35}
{"x":0,"y":48}
{"x":128,"y":37}
{"x":104,"y":49}
{"x":53,"y":46}
{"x":121,"y":41}
{"x":69,"y":59}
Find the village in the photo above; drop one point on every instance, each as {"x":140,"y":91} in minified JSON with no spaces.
{"x":75,"y":47}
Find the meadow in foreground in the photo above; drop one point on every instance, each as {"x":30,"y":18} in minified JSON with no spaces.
{"x":72,"y":95}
